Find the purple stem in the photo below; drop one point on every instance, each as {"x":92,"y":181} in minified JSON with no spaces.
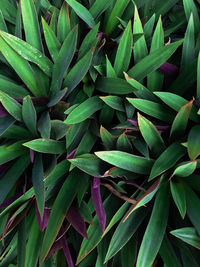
{"x":71,"y":155}
{"x":42,"y":223}
{"x":158,"y":127}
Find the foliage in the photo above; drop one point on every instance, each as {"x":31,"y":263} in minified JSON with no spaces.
{"x":99,"y":133}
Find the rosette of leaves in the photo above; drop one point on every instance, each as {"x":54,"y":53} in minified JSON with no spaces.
{"x":99,"y":128}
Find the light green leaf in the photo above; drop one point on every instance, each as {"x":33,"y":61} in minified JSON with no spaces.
{"x":126,"y":161}
{"x":82,"y":12}
{"x":63,"y":26}
{"x":11,"y":105}
{"x":194,"y":142}
{"x":186,"y":169}
{"x":84,"y":110}
{"x":167,"y":159}
{"x":151,"y":135}
{"x":46,"y":146}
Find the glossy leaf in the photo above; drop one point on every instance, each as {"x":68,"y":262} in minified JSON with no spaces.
{"x":167,"y":159}
{"x":84,"y":110}
{"x":126,"y":161}
{"x":11,"y":105}
{"x":188,"y":235}
{"x":31,"y":24}
{"x":46,"y":146}
{"x":178,"y":194}
{"x":44,"y":125}
{"x":28,"y":52}
{"x":151,"y":135}
{"x":124,"y":51}
{"x":82,"y":12}
{"x":63,"y":26}
{"x":107,"y":138}
{"x":153,"y":61}
{"x":153,"y":109}
{"x":114,"y":102}
{"x":155,"y":230}
{"x":186,"y":169}
{"x":11,"y":151}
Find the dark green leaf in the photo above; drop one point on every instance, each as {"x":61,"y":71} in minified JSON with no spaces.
{"x":29,"y":114}
{"x":46,"y":146}
{"x":178,"y":194}
{"x":194,"y":142}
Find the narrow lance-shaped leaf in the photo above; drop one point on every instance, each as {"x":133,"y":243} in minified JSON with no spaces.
{"x":46,"y":146}
{"x":44,"y":125}
{"x":185,"y":169}
{"x":11,"y":105}
{"x":126,"y":161}
{"x":28,"y":52}
{"x":82,"y":12}
{"x":144,"y":199}
{"x":198,"y":77}
{"x":194,"y":142}
{"x":107,"y":138}
{"x":180,"y":122}
{"x":178,"y":194}
{"x":84,"y":110}
{"x":38,"y":183}
{"x":21,"y":67}
{"x":124,"y":51}
{"x":151,"y":135}
{"x":31,"y":24}
{"x":63,"y":60}
{"x":114,"y":102}
{"x":167,"y":159}
{"x":52,"y":42}
{"x":155,"y":230}
{"x":97,"y":201}
{"x":153,"y":61}
{"x":61,"y":205}
{"x":63,"y":26}
{"x":188,"y":235}
{"x":29,"y":115}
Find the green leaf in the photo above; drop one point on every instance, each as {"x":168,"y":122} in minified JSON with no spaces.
{"x":44,"y":125}
{"x":116,"y":12}
{"x":98,"y":7}
{"x":38,"y":183}
{"x":188,"y":235}
{"x":126,"y":161}
{"x":86,"y":143}
{"x":178,"y":194}
{"x":61,"y":205}
{"x":52,"y":42}
{"x":168,"y":254}
{"x":82,"y":12}
{"x":3,"y":25}
{"x":124,"y":232}
{"x":89,"y":164}
{"x":63,"y":60}
{"x":11,"y":88}
{"x":63,"y":26}
{"x":142,"y":91}
{"x":5,"y":123}
{"x":151,"y":135}
{"x":124,"y":51}
{"x":89,"y":42}
{"x":192,"y":204}
{"x":144,"y":198}
{"x":107,"y":138}
{"x":28,"y":52}
{"x":29,"y":114}
{"x":114,"y":102}
{"x":155,"y":230}
{"x":84,"y":110}
{"x":21,"y":244}
{"x":167,"y":159}
{"x":190,"y":7}
{"x":78,"y":71}
{"x":46,"y":146}
{"x":58,"y":129}
{"x":188,"y":45}
{"x":11,"y":105}
{"x":110,"y":72}
{"x":186,"y":169}
{"x":115,"y":86}
{"x":198,"y":77}
{"x":21,"y":67}
{"x":140,"y":47}
{"x":33,"y":245}
{"x":153,"y":109}
{"x":194,"y":142}
{"x":31,"y":24}
{"x":180,"y":122}
{"x":153,"y":61}
{"x":123,"y":143}
{"x":129,"y":253}
{"x":14,"y":172}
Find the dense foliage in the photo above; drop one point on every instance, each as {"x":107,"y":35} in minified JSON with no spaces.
{"x":99,"y":133}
